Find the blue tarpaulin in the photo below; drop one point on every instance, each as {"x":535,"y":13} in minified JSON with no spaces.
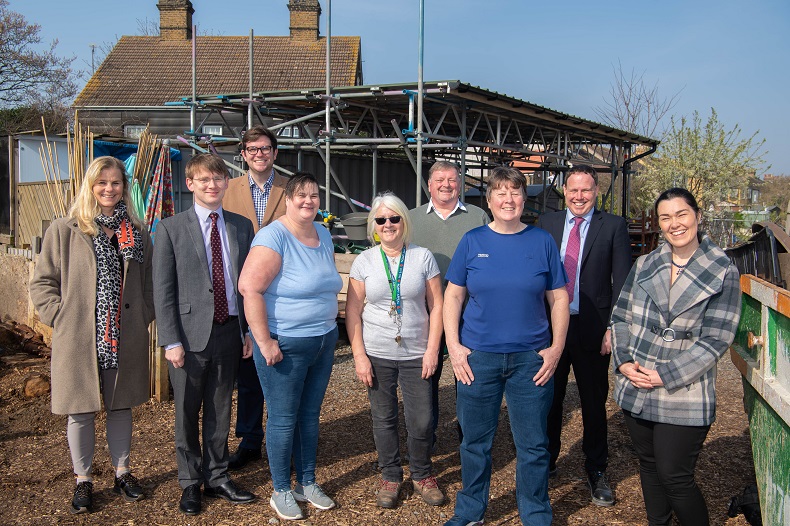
{"x":123,"y":151}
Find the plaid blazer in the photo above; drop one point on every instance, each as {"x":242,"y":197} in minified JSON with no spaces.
{"x":705,"y":300}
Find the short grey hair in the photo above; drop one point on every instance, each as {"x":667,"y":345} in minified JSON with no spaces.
{"x":393,"y":202}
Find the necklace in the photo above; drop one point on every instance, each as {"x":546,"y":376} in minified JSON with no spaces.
{"x":681,"y":268}
{"x":396,"y":307}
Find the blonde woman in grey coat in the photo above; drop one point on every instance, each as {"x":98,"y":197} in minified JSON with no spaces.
{"x":93,"y":285}
{"x":676,"y":316}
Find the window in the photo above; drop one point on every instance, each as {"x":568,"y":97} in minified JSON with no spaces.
{"x":212,"y":130}
{"x":133,"y":131}
{"x":289,"y":131}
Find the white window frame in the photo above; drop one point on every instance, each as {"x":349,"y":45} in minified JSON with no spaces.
{"x":133,"y":131}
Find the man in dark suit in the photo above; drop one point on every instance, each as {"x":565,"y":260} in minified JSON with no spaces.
{"x":596,"y":252}
{"x":198,"y":256}
{"x":260,"y":197}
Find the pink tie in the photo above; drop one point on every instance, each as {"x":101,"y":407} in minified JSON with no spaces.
{"x":572,"y":255}
{"x":218,"y":273}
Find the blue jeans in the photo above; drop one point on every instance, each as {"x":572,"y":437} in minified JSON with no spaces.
{"x":294,"y":389}
{"x":478,"y":406}
{"x":383,"y":396}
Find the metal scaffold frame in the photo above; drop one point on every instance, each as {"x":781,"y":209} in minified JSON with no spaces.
{"x":472,"y":126}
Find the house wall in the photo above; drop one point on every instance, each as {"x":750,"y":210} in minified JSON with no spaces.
{"x":165,"y":122}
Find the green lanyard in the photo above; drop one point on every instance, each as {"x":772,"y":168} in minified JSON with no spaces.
{"x":395,"y":301}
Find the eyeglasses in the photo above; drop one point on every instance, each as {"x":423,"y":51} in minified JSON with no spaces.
{"x":382,"y":220}
{"x":252,"y":150}
{"x":204,"y":181}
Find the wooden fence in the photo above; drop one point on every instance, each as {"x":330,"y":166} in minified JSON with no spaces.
{"x":34,"y":206}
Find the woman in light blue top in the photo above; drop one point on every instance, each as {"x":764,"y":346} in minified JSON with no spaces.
{"x":290,"y":286}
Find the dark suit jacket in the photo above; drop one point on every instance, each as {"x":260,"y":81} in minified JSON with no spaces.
{"x":238,"y":199}
{"x":183,"y":294}
{"x":606,"y":261}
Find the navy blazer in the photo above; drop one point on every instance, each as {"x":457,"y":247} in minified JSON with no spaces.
{"x":183,"y":290}
{"x":606,"y":261}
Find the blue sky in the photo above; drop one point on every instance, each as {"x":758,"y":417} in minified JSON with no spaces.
{"x":731,"y":55}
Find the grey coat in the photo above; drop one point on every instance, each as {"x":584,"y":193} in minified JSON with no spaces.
{"x":183,"y":292}
{"x":63,"y":291}
{"x":706,"y":300}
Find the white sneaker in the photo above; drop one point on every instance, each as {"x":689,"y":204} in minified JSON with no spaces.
{"x":313,"y":494}
{"x":284,"y":504}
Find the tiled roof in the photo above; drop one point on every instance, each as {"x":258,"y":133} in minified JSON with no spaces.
{"x":149,"y":71}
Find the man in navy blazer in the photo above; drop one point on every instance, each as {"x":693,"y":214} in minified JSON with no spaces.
{"x":198,"y":256}
{"x":603,"y":263}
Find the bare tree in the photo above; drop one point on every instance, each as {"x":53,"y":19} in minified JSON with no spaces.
{"x":98,"y":54}
{"x":147,"y":27}
{"x":634,"y":106}
{"x":27,"y":75}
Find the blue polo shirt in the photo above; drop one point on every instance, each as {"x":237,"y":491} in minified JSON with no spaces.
{"x":506,"y":277}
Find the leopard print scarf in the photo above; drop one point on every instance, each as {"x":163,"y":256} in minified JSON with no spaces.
{"x":109,"y":280}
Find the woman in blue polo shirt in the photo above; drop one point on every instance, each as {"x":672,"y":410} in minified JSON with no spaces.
{"x":505,"y":344}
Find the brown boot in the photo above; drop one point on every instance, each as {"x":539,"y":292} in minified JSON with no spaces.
{"x":429,"y":489}
{"x":387,"y":496}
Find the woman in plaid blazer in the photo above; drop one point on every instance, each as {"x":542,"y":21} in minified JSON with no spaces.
{"x":676,"y":316}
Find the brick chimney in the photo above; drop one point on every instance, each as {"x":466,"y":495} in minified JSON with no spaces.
{"x":175,"y":19}
{"x":304,"y":19}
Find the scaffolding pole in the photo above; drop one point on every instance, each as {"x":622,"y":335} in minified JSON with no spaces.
{"x":252,"y":69}
{"x":420,"y":97}
{"x":328,"y":124}
{"x":193,"y":107}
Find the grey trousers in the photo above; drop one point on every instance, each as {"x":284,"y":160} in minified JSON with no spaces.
{"x":417,"y":401}
{"x":205,"y":385}
{"x":81,"y":432}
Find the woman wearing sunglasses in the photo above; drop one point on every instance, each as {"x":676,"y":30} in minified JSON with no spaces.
{"x":395,"y":341}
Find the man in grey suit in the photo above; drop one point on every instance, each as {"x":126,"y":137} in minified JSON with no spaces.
{"x":198,"y":256}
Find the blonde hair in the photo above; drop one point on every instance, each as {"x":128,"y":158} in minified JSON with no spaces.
{"x":85,"y":208}
{"x":393,"y":202}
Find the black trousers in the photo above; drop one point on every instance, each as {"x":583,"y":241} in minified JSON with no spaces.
{"x":205,"y":384}
{"x":591,"y":371}
{"x":249,"y":408}
{"x":667,"y":459}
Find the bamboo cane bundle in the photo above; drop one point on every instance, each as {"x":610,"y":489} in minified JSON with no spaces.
{"x":49,"y":162}
{"x":147,"y":147}
{"x":81,"y":151}
{"x":50,"y":192}
{"x":61,"y":193}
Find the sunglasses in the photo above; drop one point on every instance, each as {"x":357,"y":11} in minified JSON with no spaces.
{"x":381,"y":220}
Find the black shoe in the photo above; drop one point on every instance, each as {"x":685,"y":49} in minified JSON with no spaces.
{"x":129,"y":487}
{"x":600,"y":490}
{"x":83,"y":498}
{"x":190,"y":500}
{"x":242,"y":457}
{"x":230,"y":492}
